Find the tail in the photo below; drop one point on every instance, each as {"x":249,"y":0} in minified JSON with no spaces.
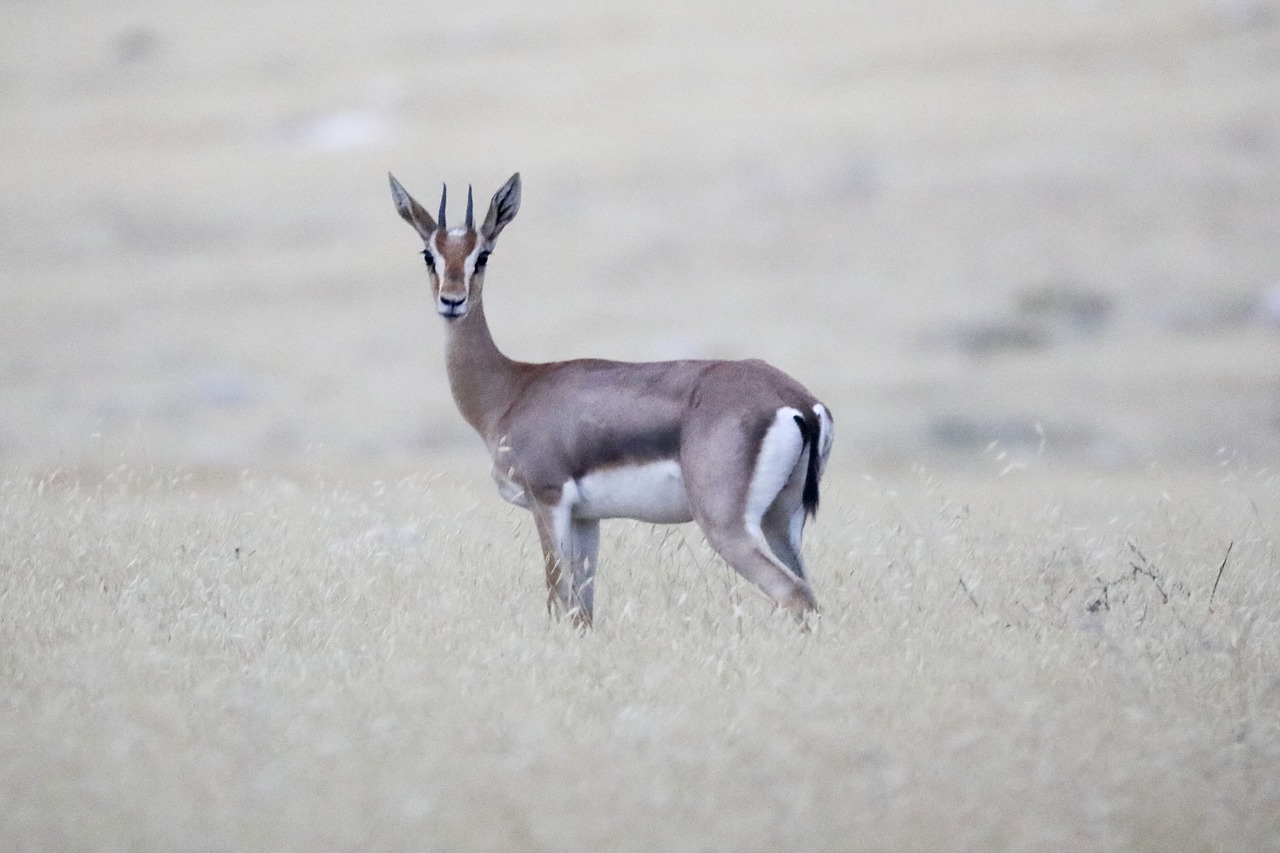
{"x":811,"y":431}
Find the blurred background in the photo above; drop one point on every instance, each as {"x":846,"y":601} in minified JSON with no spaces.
{"x":1045,"y":231}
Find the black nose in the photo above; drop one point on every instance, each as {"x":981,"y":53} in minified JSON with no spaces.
{"x":452,"y":303}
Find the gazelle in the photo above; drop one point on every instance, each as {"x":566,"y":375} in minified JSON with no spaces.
{"x":737,"y":446}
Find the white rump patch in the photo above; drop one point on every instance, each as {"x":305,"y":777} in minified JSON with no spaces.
{"x":652,"y":492}
{"x":779,"y":458}
{"x":826,"y":432}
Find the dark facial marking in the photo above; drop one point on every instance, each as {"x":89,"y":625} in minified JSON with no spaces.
{"x":453,"y":250}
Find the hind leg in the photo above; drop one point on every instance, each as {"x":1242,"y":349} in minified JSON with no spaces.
{"x":783,"y":524}
{"x":752,"y":558}
{"x":732,"y":503}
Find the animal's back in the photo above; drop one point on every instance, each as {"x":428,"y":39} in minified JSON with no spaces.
{"x":629,"y":413}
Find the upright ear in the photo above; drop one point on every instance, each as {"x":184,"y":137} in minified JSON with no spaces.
{"x":411,"y":211}
{"x":503,"y":209}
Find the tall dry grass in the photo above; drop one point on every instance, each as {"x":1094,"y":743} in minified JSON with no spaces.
{"x":1029,"y":662}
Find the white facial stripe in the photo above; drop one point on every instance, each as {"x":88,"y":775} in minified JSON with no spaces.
{"x":469,"y":265}
{"x":437,"y":259}
{"x":776,"y":462}
{"x":453,"y":290}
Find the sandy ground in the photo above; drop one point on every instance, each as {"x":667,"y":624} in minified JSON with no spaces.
{"x":257,"y":592}
{"x":953,"y":223}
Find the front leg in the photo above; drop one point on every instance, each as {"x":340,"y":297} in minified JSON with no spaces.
{"x":569,"y":548}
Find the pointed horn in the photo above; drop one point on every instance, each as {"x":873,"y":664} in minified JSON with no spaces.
{"x":471,"y":222}
{"x":444,"y":194}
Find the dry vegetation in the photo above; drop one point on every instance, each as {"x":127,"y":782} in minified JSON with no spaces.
{"x":256,"y":591}
{"x":1003,"y":663}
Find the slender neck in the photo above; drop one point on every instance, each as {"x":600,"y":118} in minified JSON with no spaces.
{"x":482,"y":379}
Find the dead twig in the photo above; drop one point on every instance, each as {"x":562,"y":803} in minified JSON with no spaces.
{"x":1221,"y":569}
{"x":1147,"y":569}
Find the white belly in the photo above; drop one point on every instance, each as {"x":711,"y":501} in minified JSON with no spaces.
{"x":652,"y":492}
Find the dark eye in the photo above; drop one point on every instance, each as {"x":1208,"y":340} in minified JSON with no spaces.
{"x":481,"y":260}
{"x":431,"y":261}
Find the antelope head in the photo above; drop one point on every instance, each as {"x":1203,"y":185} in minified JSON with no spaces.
{"x":456,"y":257}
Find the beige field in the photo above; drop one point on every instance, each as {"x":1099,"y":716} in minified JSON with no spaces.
{"x":257,"y":592}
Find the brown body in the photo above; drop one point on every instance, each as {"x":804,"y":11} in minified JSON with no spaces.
{"x":737,"y":446}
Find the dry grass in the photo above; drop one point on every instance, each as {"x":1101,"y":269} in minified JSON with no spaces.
{"x":1034,"y":662}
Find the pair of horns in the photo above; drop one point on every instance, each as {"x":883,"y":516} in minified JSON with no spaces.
{"x":444,"y":195}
